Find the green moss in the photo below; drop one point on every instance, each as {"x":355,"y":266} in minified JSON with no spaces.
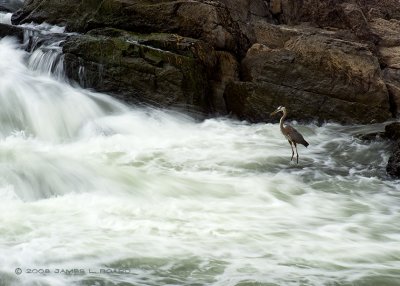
{"x":131,"y":61}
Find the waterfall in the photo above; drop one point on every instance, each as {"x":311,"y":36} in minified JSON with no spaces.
{"x":5,"y":18}
{"x":95,"y":192}
{"x":44,"y":43}
{"x":48,"y":60}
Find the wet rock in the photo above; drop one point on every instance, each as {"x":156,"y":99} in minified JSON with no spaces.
{"x":392,"y":79}
{"x":389,"y":57}
{"x":254,"y":102}
{"x":160,"y":69}
{"x":393,"y":165}
{"x":316,"y":76}
{"x":328,"y":60}
{"x":392,"y":131}
{"x":11,"y":31}
{"x":227,"y":70}
{"x":209,"y":21}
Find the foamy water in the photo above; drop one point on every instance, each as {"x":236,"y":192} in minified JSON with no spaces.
{"x":91,"y":186}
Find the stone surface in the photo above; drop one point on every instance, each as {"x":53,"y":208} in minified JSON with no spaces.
{"x":392,"y":79}
{"x":392,"y":131}
{"x":206,"y":20}
{"x":393,"y":165}
{"x":255,"y":101}
{"x":338,"y":57}
{"x":387,"y":31}
{"x":315,"y":73}
{"x":169,"y":72}
{"x":227,"y":71}
{"x":8,"y":30}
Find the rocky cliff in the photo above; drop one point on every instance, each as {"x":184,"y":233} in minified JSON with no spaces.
{"x":324,"y":60}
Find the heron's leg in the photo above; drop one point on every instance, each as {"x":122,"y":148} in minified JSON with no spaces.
{"x":297,"y":153}
{"x":291,"y":146}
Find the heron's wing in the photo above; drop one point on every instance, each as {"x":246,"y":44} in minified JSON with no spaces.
{"x":295,"y":135}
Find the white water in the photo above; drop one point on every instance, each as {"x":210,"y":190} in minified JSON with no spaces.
{"x":5,"y":18}
{"x":88,"y":183}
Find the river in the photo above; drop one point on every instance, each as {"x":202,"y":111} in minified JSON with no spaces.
{"x":95,"y":192}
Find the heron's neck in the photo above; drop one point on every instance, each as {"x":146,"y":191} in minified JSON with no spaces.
{"x":282,"y":119}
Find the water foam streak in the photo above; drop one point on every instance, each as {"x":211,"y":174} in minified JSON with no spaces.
{"x":88,"y":183}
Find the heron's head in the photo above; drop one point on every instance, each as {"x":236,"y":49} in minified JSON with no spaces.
{"x":279,"y":109}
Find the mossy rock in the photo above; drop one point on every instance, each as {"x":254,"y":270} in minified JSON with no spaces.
{"x":166,"y":73}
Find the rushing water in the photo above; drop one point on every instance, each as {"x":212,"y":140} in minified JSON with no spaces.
{"x":5,"y":18}
{"x":90,"y":186}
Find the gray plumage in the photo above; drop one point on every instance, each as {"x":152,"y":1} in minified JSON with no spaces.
{"x":291,"y":134}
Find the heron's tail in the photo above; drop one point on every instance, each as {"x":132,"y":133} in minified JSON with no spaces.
{"x":305,"y":143}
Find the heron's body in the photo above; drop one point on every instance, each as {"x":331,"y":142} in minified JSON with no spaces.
{"x":291,"y":134}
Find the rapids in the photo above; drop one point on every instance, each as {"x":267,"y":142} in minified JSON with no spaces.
{"x":92,"y":186}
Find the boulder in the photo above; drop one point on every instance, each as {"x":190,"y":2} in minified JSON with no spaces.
{"x":392,"y":131}
{"x":209,"y":21}
{"x":255,"y":101}
{"x":316,"y":73}
{"x":393,"y":165}
{"x":392,"y":79}
{"x":11,"y":31}
{"x":387,"y":31}
{"x":160,"y":69}
{"x":246,"y":12}
{"x":389,"y":56}
{"x":227,"y":70}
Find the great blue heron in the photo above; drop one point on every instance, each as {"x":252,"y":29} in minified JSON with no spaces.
{"x":291,"y":134}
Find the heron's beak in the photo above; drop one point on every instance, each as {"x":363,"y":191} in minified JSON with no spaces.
{"x":273,"y":113}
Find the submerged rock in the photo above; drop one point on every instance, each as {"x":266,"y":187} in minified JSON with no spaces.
{"x":393,"y":165}
{"x":392,"y":131}
{"x":11,"y":31}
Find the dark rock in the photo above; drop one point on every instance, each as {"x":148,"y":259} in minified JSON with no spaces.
{"x":11,"y":31}
{"x":209,"y":21}
{"x":227,"y":70}
{"x":316,"y":77}
{"x":392,"y":79}
{"x":392,"y":131}
{"x":393,"y":165}
{"x":389,"y":57}
{"x":255,"y":101}
{"x":160,"y":69}
{"x":385,"y":9}
{"x":246,"y":12}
